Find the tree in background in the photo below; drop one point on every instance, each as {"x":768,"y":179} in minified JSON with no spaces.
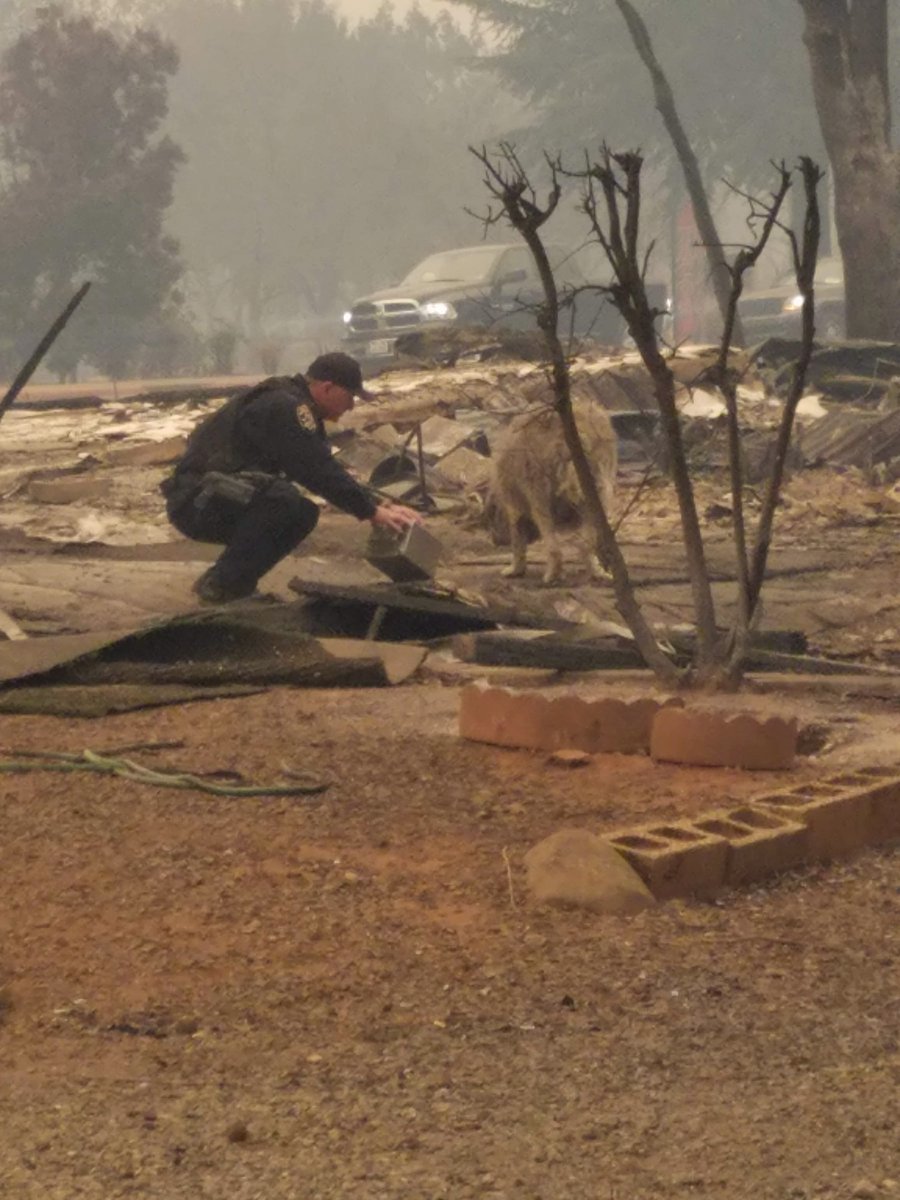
{"x":848,"y":44}
{"x":744,"y":94}
{"x":734,"y":66}
{"x":13,"y":20}
{"x":612,"y":204}
{"x":705,"y":97}
{"x":85,"y":183}
{"x":324,"y":159}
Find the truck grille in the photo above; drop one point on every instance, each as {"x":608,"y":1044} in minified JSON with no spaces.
{"x":378,"y":315}
{"x":761,"y":308}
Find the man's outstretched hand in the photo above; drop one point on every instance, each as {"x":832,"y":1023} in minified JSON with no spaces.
{"x":395,"y":516}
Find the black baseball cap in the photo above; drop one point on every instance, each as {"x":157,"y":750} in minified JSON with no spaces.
{"x":339,"y":368}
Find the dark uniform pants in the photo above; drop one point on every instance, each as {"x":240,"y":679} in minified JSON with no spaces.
{"x":258,"y":526}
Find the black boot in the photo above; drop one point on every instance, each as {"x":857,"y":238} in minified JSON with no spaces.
{"x":211,"y":590}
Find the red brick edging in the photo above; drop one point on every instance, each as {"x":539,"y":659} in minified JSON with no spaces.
{"x":532,"y":721}
{"x":707,"y":739}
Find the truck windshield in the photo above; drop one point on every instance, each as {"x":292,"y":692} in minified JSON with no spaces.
{"x":456,"y":266}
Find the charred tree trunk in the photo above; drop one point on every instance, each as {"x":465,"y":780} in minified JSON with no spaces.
{"x":616,"y":230}
{"x":752,"y":573}
{"x":847,"y":45}
{"x":719,"y":273}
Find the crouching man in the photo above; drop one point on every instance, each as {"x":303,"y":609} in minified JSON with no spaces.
{"x":235,"y":483}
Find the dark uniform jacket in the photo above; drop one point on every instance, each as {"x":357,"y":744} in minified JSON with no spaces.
{"x":272,"y":429}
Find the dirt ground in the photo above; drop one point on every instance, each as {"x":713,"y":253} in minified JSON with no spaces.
{"x":351,"y":994}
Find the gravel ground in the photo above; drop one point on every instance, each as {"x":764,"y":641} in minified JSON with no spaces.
{"x":351,"y":995}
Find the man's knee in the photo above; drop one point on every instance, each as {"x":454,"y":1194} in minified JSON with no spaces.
{"x":200,"y":525}
{"x":303,"y":510}
{"x":307,"y":514}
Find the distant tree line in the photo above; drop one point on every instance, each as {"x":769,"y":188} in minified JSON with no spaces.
{"x":228,"y":171}
{"x":86,"y":178}
{"x":323,"y":159}
{"x":753,"y":82}
{"x":303,"y":161}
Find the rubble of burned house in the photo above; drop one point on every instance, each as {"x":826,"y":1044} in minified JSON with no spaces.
{"x":87,"y":474}
{"x":429,"y":436}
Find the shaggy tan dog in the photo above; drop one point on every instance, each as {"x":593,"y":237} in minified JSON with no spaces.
{"x":535,"y":488}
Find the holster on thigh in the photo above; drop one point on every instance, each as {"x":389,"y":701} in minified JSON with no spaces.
{"x":236,"y":490}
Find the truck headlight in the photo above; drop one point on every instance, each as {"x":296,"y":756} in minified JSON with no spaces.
{"x":437,"y":310}
{"x":793,"y":305}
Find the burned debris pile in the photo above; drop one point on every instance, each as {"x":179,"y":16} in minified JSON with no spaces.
{"x":73,"y":478}
{"x":427,"y":438}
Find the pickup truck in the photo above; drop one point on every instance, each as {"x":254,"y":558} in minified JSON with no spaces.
{"x":777,"y":311}
{"x":484,"y":285}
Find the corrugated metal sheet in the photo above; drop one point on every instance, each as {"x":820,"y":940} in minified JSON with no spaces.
{"x":851,"y":439}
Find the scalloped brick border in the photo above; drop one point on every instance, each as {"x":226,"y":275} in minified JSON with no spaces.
{"x":707,"y":739}
{"x":533,"y":721}
{"x":818,"y":821}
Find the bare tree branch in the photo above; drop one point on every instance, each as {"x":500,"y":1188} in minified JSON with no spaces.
{"x":507,"y":181}
{"x":720,"y":374}
{"x":630,"y":296}
{"x":611,"y":201}
{"x":665,"y":104}
{"x":806,"y":257}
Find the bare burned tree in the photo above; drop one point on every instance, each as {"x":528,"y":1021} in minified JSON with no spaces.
{"x":703,"y":218}
{"x":517,"y":203}
{"x":751,"y":568}
{"x":612,"y":203}
{"x":805,"y":252}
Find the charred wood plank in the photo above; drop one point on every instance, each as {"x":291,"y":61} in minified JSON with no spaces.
{"x":42,"y":347}
{"x":548,"y":651}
